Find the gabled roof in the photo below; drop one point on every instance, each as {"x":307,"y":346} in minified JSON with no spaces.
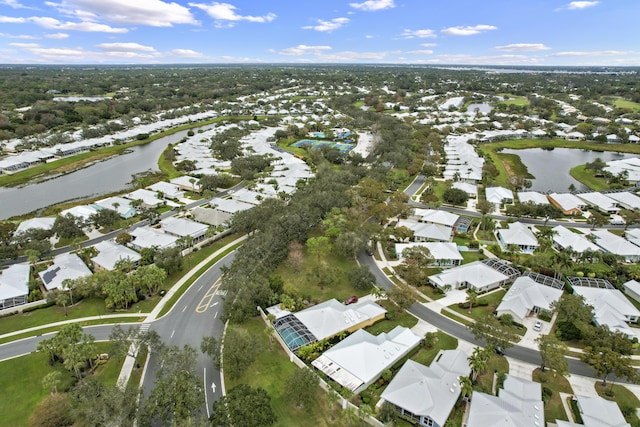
{"x":517,"y":404}
{"x":525,"y":294}
{"x":431,"y":390}
{"x":599,"y":412}
{"x":436,"y":216}
{"x":124,"y":208}
{"x":332,"y":317}
{"x":438,"y":250}
{"x":615,"y":244}
{"x":110,"y":253}
{"x":533,"y":197}
{"x":518,"y":234}
{"x":610,"y":307}
{"x":632,"y":286}
{"x":82,"y":211}
{"x":468,"y":188}
{"x":427,"y":230}
{"x":599,"y":200}
{"x":14,"y":281}
{"x":498,"y":194}
{"x":183,"y":227}
{"x":39,"y":223}
{"x":147,"y":237}
{"x":361,"y":357}
{"x":566,"y":239}
{"x":567,"y":201}
{"x":65,"y":266}
{"x":168,"y":189}
{"x":477,"y":274}
{"x":626,"y":198}
{"x":230,"y":205}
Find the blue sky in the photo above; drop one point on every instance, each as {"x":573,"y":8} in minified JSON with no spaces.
{"x":489,"y":32}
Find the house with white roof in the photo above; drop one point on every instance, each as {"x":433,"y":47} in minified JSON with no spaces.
{"x":229,"y":206}
{"x":118,"y":204}
{"x":567,"y":203}
{"x":565,"y":239}
{"x":600,"y":201}
{"x":632,"y":288}
{"x":167,"y":190}
{"x":610,"y":308}
{"x":596,"y":411}
{"x":148,"y":237}
{"x":518,"y":403}
{"x":427,"y":394}
{"x":499,"y":196}
{"x":182,"y":227}
{"x":185,"y":183}
{"x":527,"y":297}
{"x":149,"y":199}
{"x":248,"y":196}
{"x":436,"y":216}
{"x":82,"y":212}
{"x":425,"y":232}
{"x":210,"y":216}
{"x":517,"y":234}
{"x":35,"y":223}
{"x":14,"y":285}
{"x":445,"y":254}
{"x":65,"y":266}
{"x":477,"y":275}
{"x":626,"y":200}
{"x":633,"y":235}
{"x":616,"y":245}
{"x":359,"y":360}
{"x":109,"y":253}
{"x":533,"y":197}
{"x":470,"y":189}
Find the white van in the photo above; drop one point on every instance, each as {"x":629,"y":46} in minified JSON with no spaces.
{"x":616,"y":220}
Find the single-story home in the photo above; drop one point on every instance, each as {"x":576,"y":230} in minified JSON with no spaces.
{"x":518,"y":234}
{"x":600,"y":201}
{"x":118,"y":204}
{"x":499,"y":196}
{"x":478,"y":275}
{"x":533,"y":197}
{"x":633,"y":235}
{"x":445,"y":254}
{"x":229,"y":206}
{"x":470,"y":189}
{"x":610,"y":308}
{"x":565,"y":239}
{"x":528,"y":297}
{"x":596,"y":411}
{"x":425,"y":232}
{"x":147,"y":237}
{"x":626,"y":200}
{"x":361,"y":358}
{"x":632,"y":288}
{"x":149,"y":199}
{"x":518,"y":403}
{"x":210,"y":216}
{"x":65,"y":266}
{"x":167,"y":190}
{"x":324,"y":320}
{"x":84,"y":212}
{"x":567,"y":203}
{"x":616,"y":245}
{"x":185,"y":183}
{"x":35,"y":223}
{"x":110,"y":253}
{"x":182,"y":227}
{"x":427,"y":394}
{"x":14,"y":285}
{"x":436,"y":216}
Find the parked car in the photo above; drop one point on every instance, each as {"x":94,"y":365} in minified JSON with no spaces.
{"x":351,"y":300}
{"x":499,"y":351}
{"x":537,"y":326}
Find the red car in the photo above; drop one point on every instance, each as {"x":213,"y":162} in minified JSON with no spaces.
{"x":351,"y":300}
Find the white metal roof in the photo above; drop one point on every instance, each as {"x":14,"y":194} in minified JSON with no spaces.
{"x":566,"y":239}
{"x":518,"y":234}
{"x":65,"y":266}
{"x":438,"y":250}
{"x":14,"y":281}
{"x":525,"y":294}
{"x":110,"y":253}
{"x":533,"y":197}
{"x":477,"y":274}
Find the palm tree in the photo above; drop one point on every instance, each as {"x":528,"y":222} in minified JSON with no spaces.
{"x":478,"y":361}
{"x":466,"y":387}
{"x":472,"y":298}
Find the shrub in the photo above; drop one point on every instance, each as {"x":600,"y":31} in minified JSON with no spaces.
{"x":547,"y":393}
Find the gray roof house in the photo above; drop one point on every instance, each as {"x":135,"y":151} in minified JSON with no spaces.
{"x":518,"y":404}
{"x":597,"y":412}
{"x":211,"y":216}
{"x":526,"y":296}
{"x":14,"y":285}
{"x":65,"y":266}
{"x":181,"y":227}
{"x":520,"y":235}
{"x":110,"y":253}
{"x":359,"y":360}
{"x":427,"y":394}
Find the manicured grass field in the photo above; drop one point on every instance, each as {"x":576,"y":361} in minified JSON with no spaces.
{"x":21,"y":383}
{"x":586,"y":177}
{"x":626,"y":400}
{"x":553,"y":408}
{"x":484,"y":381}
{"x":477,"y":312}
{"x":444,"y":342}
{"x":400,"y":318}
{"x":515,"y":100}
{"x":623,"y":103}
{"x":270,"y":371}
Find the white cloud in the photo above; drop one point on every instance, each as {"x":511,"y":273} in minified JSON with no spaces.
{"x":328,"y":26}
{"x":184,"y":53}
{"x":523,"y":47}
{"x":463,"y":59}
{"x":349,"y":56}
{"x":154,"y":13}
{"x":12,"y":20}
{"x":421,"y":52}
{"x":302,"y":49}
{"x":373,"y":5}
{"x":592,"y":53}
{"x":227,"y":12}
{"x":19,"y":36}
{"x":125,"y":47}
{"x":428,"y":44}
{"x":15,"y":4}
{"x":576,"y":5}
{"x":57,"y":36}
{"x":421,"y":34}
{"x":368,"y":36}
{"x":86,"y":26}
{"x":468,"y":31}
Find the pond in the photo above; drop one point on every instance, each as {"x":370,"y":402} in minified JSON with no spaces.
{"x":551,"y":167}
{"x":100,"y":178}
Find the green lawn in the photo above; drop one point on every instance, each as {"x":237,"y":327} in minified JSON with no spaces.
{"x":514,"y":100}
{"x":497,"y":364}
{"x":444,"y":342}
{"x":455,"y":317}
{"x":553,"y":408}
{"x":587,"y":178}
{"x":468,"y":257}
{"x":21,"y":383}
{"x":626,"y":400}
{"x":477,"y":312}
{"x":431,"y":292}
{"x":400,"y":318}
{"x":623,"y":103}
{"x":270,"y":372}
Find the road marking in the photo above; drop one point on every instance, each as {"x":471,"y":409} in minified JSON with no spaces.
{"x":200,"y":288}
{"x":174,"y":331}
{"x":184,"y":309}
{"x":215,"y":316}
{"x":208,"y":297}
{"x":214,"y":304}
{"x":206,"y":400}
{"x":213,"y":386}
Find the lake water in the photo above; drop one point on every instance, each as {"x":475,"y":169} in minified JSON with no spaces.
{"x":551,"y":168}
{"x":100,"y":178}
